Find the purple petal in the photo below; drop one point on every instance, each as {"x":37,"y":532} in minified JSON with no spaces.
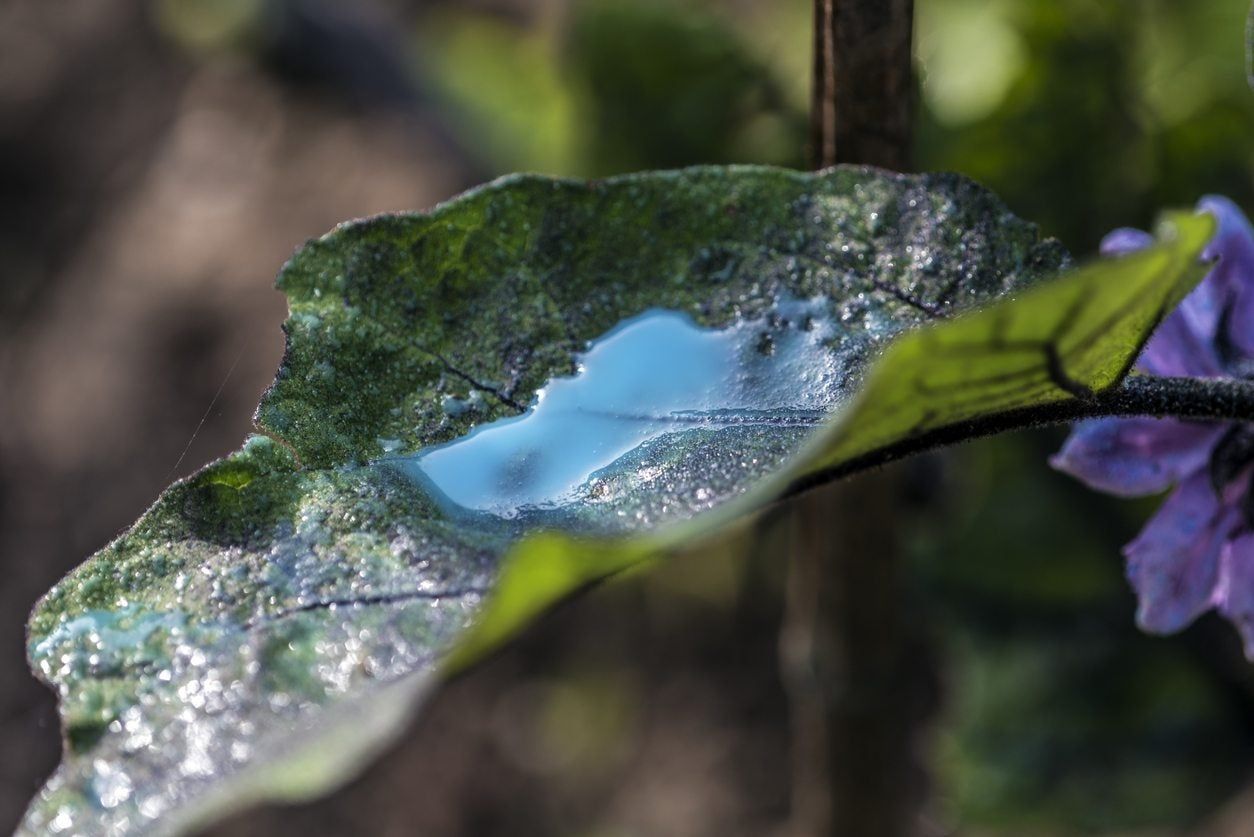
{"x":1204,"y":305}
{"x":1133,"y":457}
{"x":1235,"y":596}
{"x":1174,"y":563}
{"x":1125,"y":240}
{"x":1183,"y":343}
{"x":1233,"y":245}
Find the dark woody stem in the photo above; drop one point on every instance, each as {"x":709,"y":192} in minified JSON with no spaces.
{"x":1199,"y":399}
{"x":863,"y":86}
{"x":847,"y":655}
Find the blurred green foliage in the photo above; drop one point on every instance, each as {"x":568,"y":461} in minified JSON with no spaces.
{"x":611,"y":86}
{"x":1085,"y":115}
{"x":661,"y":89}
{"x":1063,"y":718}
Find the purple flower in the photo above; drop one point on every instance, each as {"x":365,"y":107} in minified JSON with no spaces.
{"x":1197,"y":551}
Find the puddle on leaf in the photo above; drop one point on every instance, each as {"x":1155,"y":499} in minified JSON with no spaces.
{"x":653,"y":375}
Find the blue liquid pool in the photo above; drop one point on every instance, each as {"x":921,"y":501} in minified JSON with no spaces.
{"x":653,"y":374}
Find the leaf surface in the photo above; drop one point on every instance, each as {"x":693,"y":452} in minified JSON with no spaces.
{"x":228,"y":647}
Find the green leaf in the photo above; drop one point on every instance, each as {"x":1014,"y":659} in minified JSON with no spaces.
{"x":229,"y":645}
{"x":1074,"y":337}
{"x":1078,"y":334}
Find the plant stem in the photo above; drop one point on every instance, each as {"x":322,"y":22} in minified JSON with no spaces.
{"x":1228,"y":399}
{"x":862,"y":94}
{"x":850,"y":665}
{"x":846,"y":654}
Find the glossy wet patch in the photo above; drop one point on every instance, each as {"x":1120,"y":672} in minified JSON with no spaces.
{"x":653,"y":375}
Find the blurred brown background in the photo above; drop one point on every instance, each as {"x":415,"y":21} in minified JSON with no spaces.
{"x":160,"y":159}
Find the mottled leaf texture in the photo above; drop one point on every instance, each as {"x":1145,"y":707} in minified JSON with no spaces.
{"x":271,"y":620}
